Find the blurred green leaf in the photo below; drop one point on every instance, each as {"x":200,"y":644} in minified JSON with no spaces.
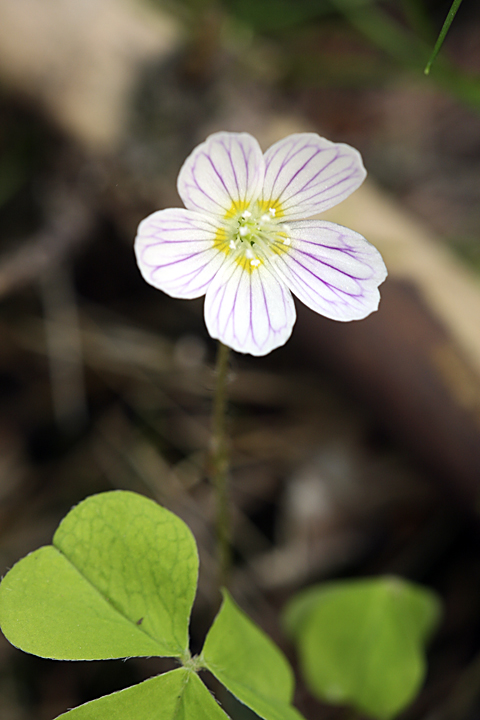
{"x":249,"y":664}
{"x":361,"y":642}
{"x":119,"y":581}
{"x":178,"y":694}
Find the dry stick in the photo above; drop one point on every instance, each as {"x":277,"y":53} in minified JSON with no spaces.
{"x":219,"y":465}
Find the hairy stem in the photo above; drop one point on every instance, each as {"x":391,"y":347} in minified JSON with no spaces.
{"x":219,"y":464}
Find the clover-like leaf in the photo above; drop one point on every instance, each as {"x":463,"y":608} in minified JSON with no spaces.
{"x":176,"y":695}
{"x":119,"y":581}
{"x":249,"y":664}
{"x":361,"y":642}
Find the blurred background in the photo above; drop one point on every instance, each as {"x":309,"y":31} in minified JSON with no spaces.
{"x":356,"y":447}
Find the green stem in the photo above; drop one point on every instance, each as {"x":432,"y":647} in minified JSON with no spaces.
{"x":219,"y":465}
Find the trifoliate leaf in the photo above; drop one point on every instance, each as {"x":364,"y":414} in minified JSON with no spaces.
{"x":119,"y":581}
{"x":249,"y":664}
{"x":361,"y":642}
{"x":176,"y":695}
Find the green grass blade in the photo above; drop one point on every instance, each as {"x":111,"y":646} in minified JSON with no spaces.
{"x":443,"y":32}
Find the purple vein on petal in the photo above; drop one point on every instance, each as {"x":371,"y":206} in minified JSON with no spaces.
{"x":232,"y":165}
{"x":333,"y":267}
{"x":316,"y":192}
{"x":195,"y":184}
{"x":220,"y":177}
{"x":292,"y":156}
{"x":348,"y":249}
{"x":325,"y":282}
{"x":250,"y":314}
{"x":321,"y":183}
{"x":247,"y":166}
{"x":303,"y":283}
{"x":171,"y":260}
{"x":307,"y":162}
{"x":193,"y":272}
{"x":222,"y":289}
{"x":237,"y":291}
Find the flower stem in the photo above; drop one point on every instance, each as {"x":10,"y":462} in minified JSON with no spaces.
{"x":219,"y":465}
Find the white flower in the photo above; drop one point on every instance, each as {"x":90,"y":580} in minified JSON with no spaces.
{"x":242,"y":240}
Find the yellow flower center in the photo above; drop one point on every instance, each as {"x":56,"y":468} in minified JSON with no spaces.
{"x":253,"y":232}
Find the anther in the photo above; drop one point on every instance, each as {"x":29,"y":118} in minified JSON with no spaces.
{"x":272,"y":211}
{"x":232,"y":245}
{"x":249,"y":254}
{"x":243,"y":231}
{"x":246,"y":214}
{"x":255,"y":262}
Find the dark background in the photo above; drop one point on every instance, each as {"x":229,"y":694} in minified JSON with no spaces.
{"x":356,"y":447}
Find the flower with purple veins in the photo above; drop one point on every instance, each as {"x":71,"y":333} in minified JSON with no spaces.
{"x":243,"y":242}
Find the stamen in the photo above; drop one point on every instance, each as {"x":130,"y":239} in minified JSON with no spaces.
{"x":255,"y":231}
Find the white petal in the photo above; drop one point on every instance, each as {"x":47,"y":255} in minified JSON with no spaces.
{"x":176,"y":253}
{"x":250,"y":311}
{"x":306,"y":174}
{"x":331,"y":269}
{"x":224,"y":172}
